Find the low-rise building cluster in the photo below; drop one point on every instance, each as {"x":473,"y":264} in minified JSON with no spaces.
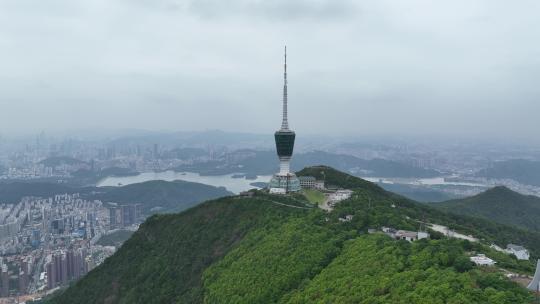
{"x":339,"y":195}
{"x":310,"y":182}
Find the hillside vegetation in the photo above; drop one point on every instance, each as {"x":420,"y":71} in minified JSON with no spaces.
{"x":12,"y":192}
{"x":276,"y":249}
{"x":155,"y":196}
{"x":164,"y":260}
{"x":161,"y":195}
{"x":499,"y":204}
{"x":376,"y":269}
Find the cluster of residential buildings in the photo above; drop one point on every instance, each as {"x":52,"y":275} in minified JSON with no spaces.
{"x":66,"y":162}
{"x":63,"y":266}
{"x":49,"y":242}
{"x":125,"y":215}
{"x":21,"y":277}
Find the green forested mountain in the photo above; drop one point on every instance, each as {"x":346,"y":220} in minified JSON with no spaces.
{"x":499,"y":204}
{"x":154,"y":196}
{"x":276,"y":249}
{"x":12,"y":192}
{"x":164,"y":260}
{"x":161,"y":195}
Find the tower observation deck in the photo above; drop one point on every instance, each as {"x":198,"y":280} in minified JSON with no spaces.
{"x":284,"y":181}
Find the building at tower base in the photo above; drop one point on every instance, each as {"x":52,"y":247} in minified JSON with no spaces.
{"x":280,"y":184}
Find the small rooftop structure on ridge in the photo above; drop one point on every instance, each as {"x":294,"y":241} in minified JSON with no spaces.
{"x":482,"y":260}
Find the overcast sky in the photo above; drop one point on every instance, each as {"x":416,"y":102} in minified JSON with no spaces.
{"x":355,"y":67}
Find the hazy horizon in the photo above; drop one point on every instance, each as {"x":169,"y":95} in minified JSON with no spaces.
{"x":421,"y":68}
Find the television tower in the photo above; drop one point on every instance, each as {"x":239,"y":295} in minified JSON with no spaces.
{"x":284,"y":137}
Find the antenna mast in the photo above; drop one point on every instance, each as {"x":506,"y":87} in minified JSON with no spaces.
{"x":285,"y":122}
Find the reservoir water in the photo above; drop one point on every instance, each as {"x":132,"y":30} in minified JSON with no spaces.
{"x":239,"y":184}
{"x":233,"y":184}
{"x":420,"y":181}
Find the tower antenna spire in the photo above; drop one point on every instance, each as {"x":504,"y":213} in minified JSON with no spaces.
{"x":285,"y":122}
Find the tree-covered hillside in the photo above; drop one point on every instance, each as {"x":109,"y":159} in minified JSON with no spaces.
{"x":12,"y":192}
{"x":161,"y":196}
{"x":154,"y":196}
{"x":164,"y":260}
{"x":276,"y":249}
{"x":367,"y":193}
{"x":499,"y":204}
{"x":376,"y":269}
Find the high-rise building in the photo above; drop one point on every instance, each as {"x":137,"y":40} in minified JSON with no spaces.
{"x":155,"y":153}
{"x":112,"y":217}
{"x":130,"y":214}
{"x":51,"y":272}
{"x":284,"y":181}
{"x":5,"y":281}
{"x":23,"y":281}
{"x":65,"y":266}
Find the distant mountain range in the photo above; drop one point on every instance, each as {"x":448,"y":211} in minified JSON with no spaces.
{"x":523,"y":171}
{"x":265,"y":163}
{"x":154,"y":196}
{"x":499,"y":204}
{"x":12,"y":192}
{"x":269,"y":249}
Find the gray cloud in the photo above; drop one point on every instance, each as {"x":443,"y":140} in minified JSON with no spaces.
{"x":383,"y":67}
{"x":277,"y":10}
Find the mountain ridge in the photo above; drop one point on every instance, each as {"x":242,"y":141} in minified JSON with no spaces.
{"x":170,"y":196}
{"x":261,"y":250}
{"x":499,"y":204}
